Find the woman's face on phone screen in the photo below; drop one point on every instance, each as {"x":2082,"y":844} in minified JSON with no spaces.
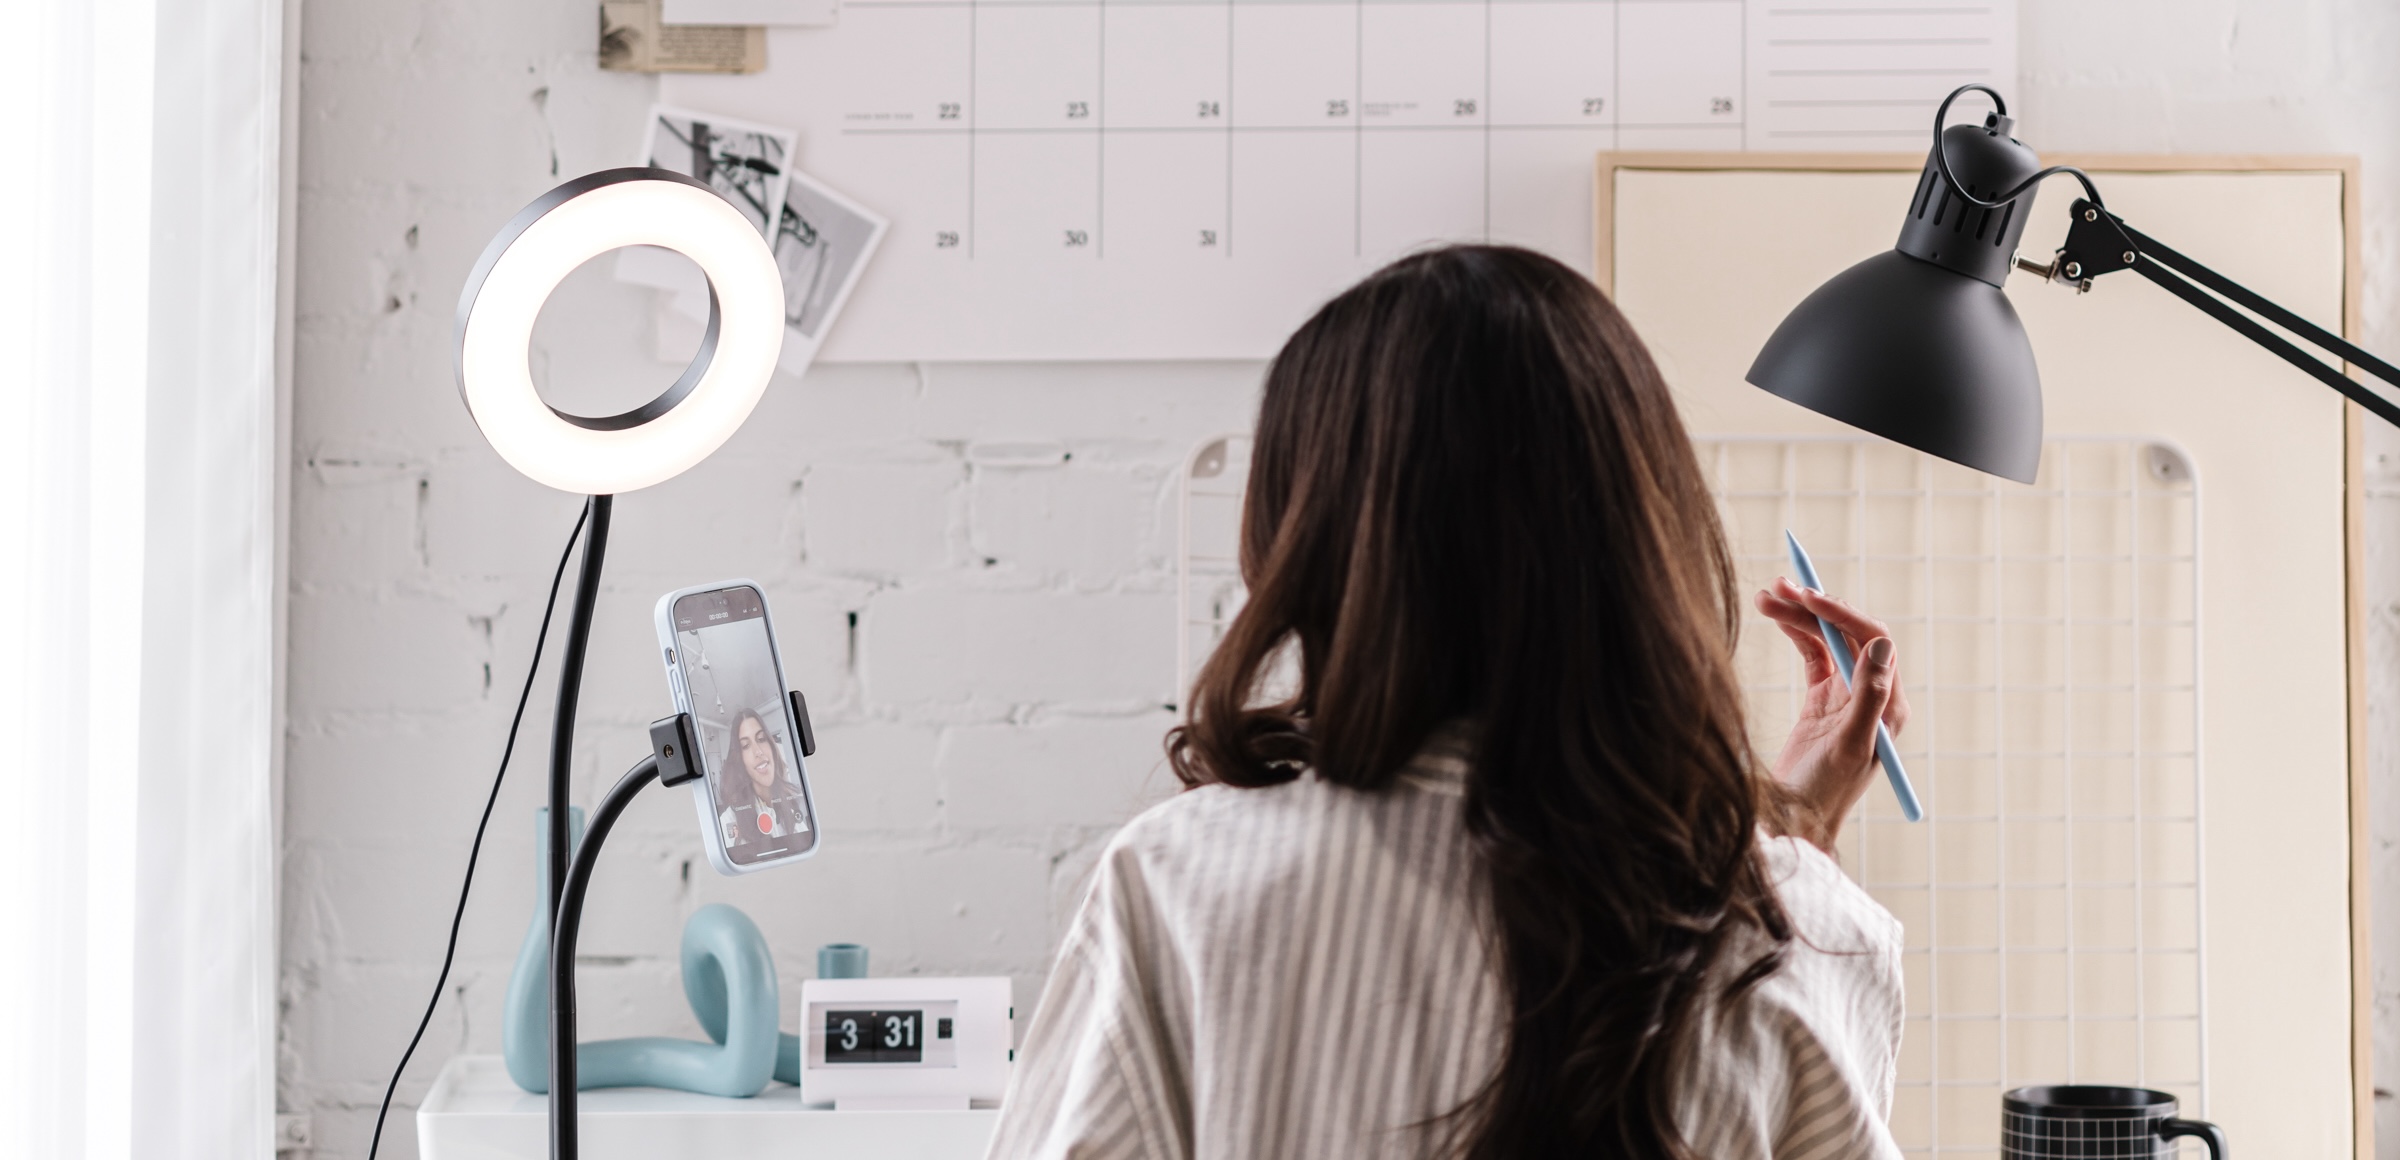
{"x":758,"y":754}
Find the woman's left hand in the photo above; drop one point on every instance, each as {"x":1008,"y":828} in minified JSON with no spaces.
{"x":1830,"y":758}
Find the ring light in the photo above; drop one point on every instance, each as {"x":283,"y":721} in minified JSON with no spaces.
{"x":566,"y":227}
{"x":603,"y":455}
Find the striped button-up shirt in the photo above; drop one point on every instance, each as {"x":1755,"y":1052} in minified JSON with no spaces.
{"x":1302,"y":972}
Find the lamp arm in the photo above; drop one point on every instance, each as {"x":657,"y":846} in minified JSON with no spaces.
{"x":2250,"y":328}
{"x":596,"y":511}
{"x":564,"y":1142}
{"x":2245,"y":297}
{"x":2099,"y":242}
{"x":674,"y":760}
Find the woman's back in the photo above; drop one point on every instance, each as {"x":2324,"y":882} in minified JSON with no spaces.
{"x":1301,"y":971}
{"x":1471,"y":500}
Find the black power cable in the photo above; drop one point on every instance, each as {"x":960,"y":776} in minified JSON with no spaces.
{"x":476,"y":850}
{"x":1941,"y":156}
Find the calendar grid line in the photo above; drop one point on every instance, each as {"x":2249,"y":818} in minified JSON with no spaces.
{"x":1742,"y":110}
{"x":1893,"y":134}
{"x":1067,"y":131}
{"x":1225,"y":222}
{"x":1100,"y":146}
{"x":1358,"y":117}
{"x":1880,"y":42}
{"x":1487,"y":120}
{"x":1877,"y":72}
{"x":974,"y":115}
{"x":896,"y":4}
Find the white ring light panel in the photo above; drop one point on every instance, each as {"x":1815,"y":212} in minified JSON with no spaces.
{"x":568,"y":226}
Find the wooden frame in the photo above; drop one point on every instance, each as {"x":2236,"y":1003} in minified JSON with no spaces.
{"x":2362,"y":998}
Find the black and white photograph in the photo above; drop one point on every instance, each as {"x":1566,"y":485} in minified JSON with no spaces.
{"x":822,"y":244}
{"x":744,"y":162}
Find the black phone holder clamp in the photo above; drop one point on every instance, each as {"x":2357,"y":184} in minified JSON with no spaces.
{"x":675,"y":742}
{"x":674,"y":760}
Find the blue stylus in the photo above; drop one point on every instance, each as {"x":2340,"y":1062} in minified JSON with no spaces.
{"x":1841,"y":659}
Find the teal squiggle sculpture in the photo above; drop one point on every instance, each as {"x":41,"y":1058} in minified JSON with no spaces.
{"x":728,"y":977}
{"x":834,"y":961}
{"x":706,"y":994}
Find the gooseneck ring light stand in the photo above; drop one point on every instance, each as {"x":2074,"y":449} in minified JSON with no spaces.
{"x":602,"y":456}
{"x":1919,"y":345}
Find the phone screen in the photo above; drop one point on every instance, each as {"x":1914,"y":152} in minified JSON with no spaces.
{"x":727,"y":659}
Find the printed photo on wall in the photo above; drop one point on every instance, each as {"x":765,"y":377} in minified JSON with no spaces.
{"x":748,"y":164}
{"x":822,"y":243}
{"x":743,"y":161}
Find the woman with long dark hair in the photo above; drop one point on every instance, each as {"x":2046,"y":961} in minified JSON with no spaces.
{"x":757,"y":797}
{"x":1501,"y":876}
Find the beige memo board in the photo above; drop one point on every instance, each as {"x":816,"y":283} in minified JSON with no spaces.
{"x":1705,"y":253}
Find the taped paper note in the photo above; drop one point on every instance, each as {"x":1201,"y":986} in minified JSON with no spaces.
{"x":634,"y":39}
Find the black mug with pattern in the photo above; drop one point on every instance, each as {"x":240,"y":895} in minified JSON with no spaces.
{"x":2088,"y":1122}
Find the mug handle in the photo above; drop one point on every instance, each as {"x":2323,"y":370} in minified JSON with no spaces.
{"x":2209,"y":1134}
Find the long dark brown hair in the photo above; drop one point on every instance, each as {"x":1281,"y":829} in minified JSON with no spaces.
{"x":734,"y":773}
{"x":1471,"y":500}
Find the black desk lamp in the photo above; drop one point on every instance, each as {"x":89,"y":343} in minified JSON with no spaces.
{"x":1919,"y":345}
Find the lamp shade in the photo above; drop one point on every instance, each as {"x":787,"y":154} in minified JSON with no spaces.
{"x":1919,"y":355}
{"x":581,"y":220}
{"x":1918,"y":344}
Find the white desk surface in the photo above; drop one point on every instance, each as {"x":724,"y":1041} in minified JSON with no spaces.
{"x":475,"y":1112}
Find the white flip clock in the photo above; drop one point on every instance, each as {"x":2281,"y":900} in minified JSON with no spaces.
{"x":905,"y":1043}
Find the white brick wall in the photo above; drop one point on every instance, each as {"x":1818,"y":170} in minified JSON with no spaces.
{"x":1003,"y":534}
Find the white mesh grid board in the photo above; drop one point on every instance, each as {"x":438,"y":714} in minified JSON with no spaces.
{"x":2052,"y":896}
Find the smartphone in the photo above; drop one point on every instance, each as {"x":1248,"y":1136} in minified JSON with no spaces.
{"x":756,"y":810}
